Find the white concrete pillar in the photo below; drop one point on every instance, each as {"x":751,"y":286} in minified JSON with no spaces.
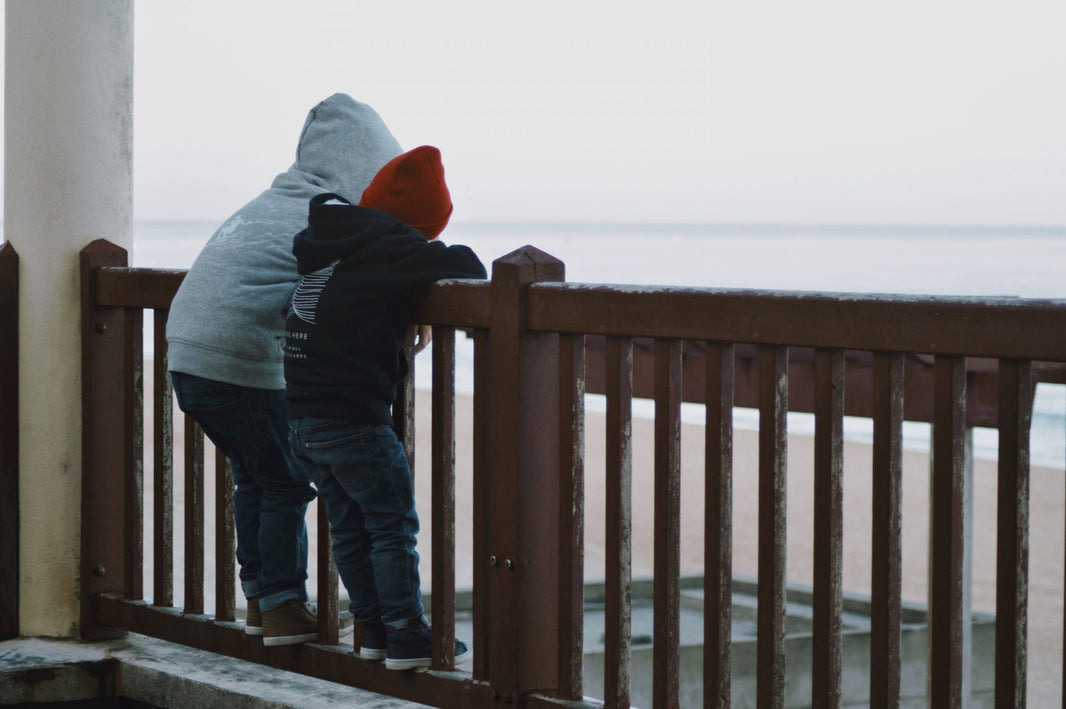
{"x":67,"y":180}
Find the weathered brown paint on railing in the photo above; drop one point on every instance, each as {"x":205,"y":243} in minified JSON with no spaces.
{"x":163,"y":470}
{"x":666,"y":680}
{"x":403,"y":409}
{"x":979,"y":327}
{"x":500,"y":525}
{"x":328,"y":627}
{"x":982,"y":390}
{"x":103,"y":562}
{"x":773,"y":407}
{"x":9,"y":443}
{"x":138,"y":287}
{"x":619,"y":521}
{"x":1012,"y":556}
{"x":1051,"y":340}
{"x":523,"y":488}
{"x":480,"y":472}
{"x":828,"y":528}
{"x":133,"y":349}
{"x":946,"y":549}
{"x":442,"y":483}
{"x":194,"y":517}
{"x":328,"y":607}
{"x":460,"y":304}
{"x":886,"y":532}
{"x":429,"y":690}
{"x":571,"y":514}
{"x":718,"y":533}
{"x":225,"y":541}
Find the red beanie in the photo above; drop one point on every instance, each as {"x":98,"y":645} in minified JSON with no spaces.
{"x":411,"y":188}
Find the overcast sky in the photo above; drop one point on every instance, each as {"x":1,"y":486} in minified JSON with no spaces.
{"x":857,"y":111}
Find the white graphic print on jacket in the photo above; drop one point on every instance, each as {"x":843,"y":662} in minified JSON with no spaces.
{"x":305,"y":298}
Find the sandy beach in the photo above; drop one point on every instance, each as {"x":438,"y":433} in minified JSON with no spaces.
{"x":1046,"y":534}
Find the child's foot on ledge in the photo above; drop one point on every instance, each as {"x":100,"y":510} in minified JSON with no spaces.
{"x":374,"y":641}
{"x":293,"y":622}
{"x":411,"y":647}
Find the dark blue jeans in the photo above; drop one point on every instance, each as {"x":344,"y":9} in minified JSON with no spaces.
{"x":363,"y":477}
{"x":272,"y":491}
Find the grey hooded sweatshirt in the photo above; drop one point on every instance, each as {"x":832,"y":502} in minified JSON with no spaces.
{"x":227,"y":320}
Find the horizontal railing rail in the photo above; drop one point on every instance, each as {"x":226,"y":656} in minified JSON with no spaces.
{"x":938,"y":325}
{"x":534,"y":339}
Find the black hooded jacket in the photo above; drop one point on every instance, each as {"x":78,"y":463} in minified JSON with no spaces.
{"x":360,"y":270}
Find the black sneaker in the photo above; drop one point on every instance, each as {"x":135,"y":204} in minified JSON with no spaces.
{"x":412,"y":646}
{"x":374,"y":641}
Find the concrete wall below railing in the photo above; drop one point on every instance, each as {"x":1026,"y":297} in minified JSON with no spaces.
{"x":138,"y":672}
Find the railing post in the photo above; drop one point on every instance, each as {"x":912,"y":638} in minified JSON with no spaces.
{"x":9,"y":441}
{"x":947,"y":550}
{"x":521,"y":495}
{"x":103,"y":514}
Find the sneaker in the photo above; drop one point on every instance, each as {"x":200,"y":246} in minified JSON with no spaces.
{"x":374,"y":641}
{"x":253,"y":621}
{"x":410,"y":647}
{"x":296,"y":622}
{"x":290,"y":623}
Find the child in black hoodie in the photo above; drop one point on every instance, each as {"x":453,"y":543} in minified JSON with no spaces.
{"x":360,"y":269}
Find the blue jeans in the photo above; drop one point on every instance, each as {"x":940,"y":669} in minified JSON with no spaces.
{"x":363,"y":477}
{"x":272,"y":491}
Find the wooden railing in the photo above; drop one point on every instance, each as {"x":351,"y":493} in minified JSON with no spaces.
{"x":529,"y":330}
{"x":9,"y":443}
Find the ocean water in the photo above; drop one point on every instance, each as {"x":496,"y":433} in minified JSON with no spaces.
{"x":933,"y":260}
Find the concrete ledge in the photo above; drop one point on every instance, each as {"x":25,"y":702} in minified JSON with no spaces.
{"x":155,"y":673}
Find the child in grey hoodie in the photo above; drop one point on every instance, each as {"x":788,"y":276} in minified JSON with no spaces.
{"x":225,"y":335}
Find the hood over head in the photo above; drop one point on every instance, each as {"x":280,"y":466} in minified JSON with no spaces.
{"x":342,"y":146}
{"x":336,"y":229}
{"x":227,"y":321}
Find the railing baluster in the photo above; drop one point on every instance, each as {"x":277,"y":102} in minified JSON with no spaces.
{"x":134,"y":463}
{"x":947,"y":533}
{"x":619,"y":542}
{"x":479,"y":513}
{"x":9,"y":443}
{"x":403,"y":411}
{"x":887,"y":542}
{"x":328,"y":624}
{"x":1012,"y":547}
{"x":828,"y":526}
{"x":572,"y":514}
{"x":225,"y":543}
{"x":443,"y":486}
{"x":773,"y":444}
{"x":718,"y":535}
{"x":194,"y":517}
{"x":667,"y":620}
{"x":163,"y":470}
